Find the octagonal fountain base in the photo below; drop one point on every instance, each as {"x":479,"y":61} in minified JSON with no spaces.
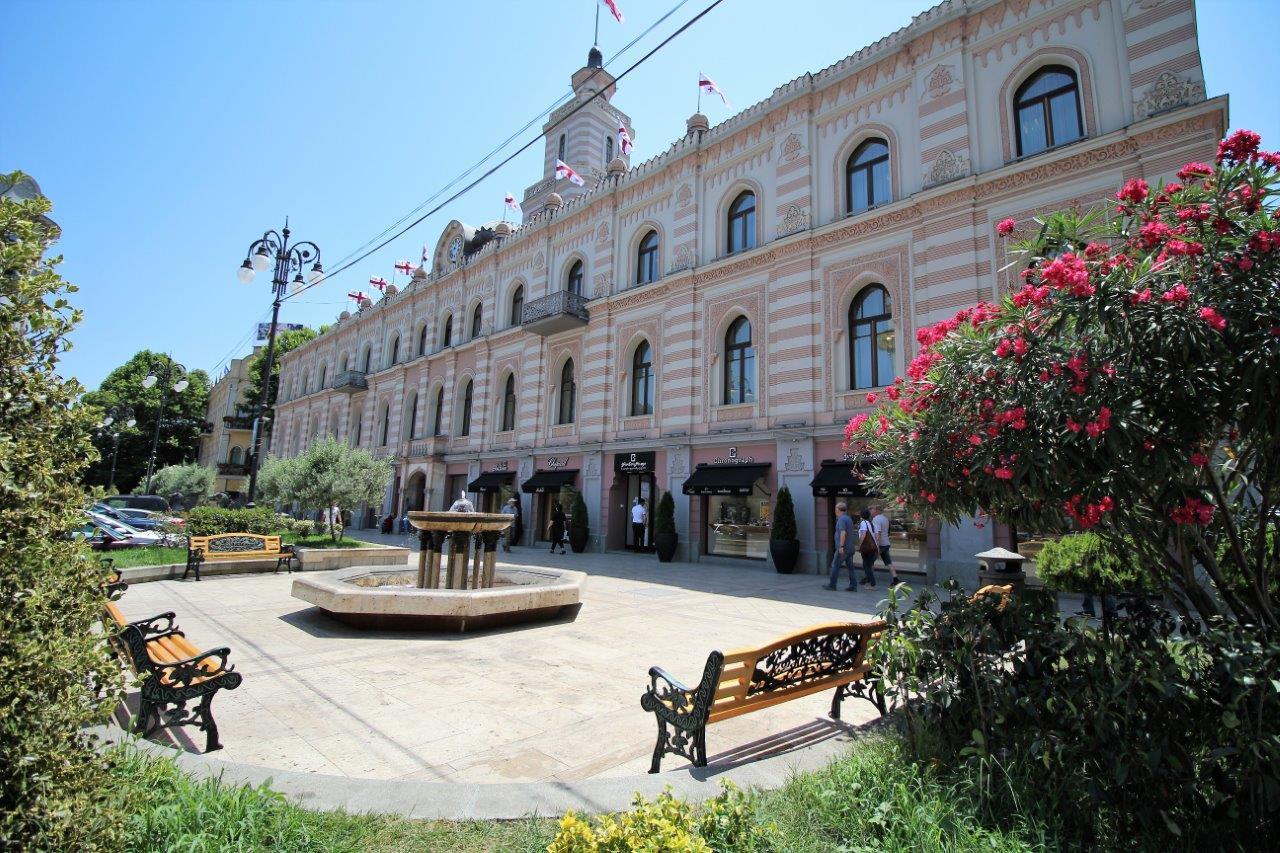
{"x":382,"y":597}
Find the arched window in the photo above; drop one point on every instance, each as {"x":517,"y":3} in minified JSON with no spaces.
{"x":385,"y":432}
{"x":435,"y":427}
{"x":412,"y":430}
{"x":1047,"y":108}
{"x":509,"y":404}
{"x":560,"y":150}
{"x":345,"y":362}
{"x":422,"y":339}
{"x":742,"y":222}
{"x":358,"y":435}
{"x":642,"y":380}
{"x":476,"y":317}
{"x":395,"y":351}
{"x":446,"y":338}
{"x":368,"y":359}
{"x":866,"y":176}
{"x":324,"y":374}
{"x":237,"y":456}
{"x":568,"y":394}
{"x":871,"y":339}
{"x":464,"y":424}
{"x":647,"y":259}
{"x":573,"y":283}
{"x":608,"y":150}
{"x":517,"y":305}
{"x":739,"y":363}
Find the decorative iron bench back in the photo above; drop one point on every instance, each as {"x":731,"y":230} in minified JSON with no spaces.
{"x":805,"y":660}
{"x":232,"y":543}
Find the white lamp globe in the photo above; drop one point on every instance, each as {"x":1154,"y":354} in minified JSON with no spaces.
{"x":107,"y":420}
{"x":261,"y":259}
{"x":317,"y":273}
{"x":131,"y":422}
{"x":181,"y":386}
{"x":245,"y":273}
{"x":148,"y":382}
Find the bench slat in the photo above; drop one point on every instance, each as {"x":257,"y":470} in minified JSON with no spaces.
{"x":765,"y":700}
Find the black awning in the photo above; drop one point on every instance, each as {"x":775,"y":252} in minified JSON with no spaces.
{"x":549,"y":481}
{"x":836,"y":478}
{"x":724,"y":479}
{"x":490,"y":481}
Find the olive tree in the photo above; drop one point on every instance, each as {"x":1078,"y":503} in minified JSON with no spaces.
{"x":329,"y":473}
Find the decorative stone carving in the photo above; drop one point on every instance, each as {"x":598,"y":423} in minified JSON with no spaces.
{"x":540,"y":261}
{"x":526,"y":469}
{"x":602,"y":234}
{"x":684,"y":195}
{"x":1167,"y":92}
{"x":795,"y":221}
{"x":602,"y":284}
{"x":593,"y":467}
{"x":795,"y":461}
{"x":939,"y":82}
{"x":677,"y":467}
{"x":947,"y":167}
{"x":682,"y":258}
{"x":791,"y":147}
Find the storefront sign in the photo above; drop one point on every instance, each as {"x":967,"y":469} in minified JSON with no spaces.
{"x":734,"y":459}
{"x":499,"y":466}
{"x":557,"y":462}
{"x":641,"y":462}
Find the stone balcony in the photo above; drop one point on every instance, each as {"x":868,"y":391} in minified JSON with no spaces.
{"x":556,"y":312}
{"x":238,"y":422}
{"x":350,"y":382}
{"x":423,"y":448}
{"x":232,"y":469}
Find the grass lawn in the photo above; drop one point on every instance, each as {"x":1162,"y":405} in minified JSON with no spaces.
{"x":874,"y":799}
{"x":127,"y":558}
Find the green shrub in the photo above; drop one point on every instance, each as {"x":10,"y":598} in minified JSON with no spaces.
{"x":1158,"y":729}
{"x":784,"y":516}
{"x":56,"y":675}
{"x":212,"y":520}
{"x":665,"y":522}
{"x":578,"y":514}
{"x":1086,"y":561}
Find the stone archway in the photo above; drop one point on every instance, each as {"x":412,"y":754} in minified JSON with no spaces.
{"x":415,"y":492}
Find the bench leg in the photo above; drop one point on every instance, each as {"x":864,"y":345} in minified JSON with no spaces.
{"x":659,"y":748}
{"x":148,"y":718}
{"x":835,"y":702}
{"x":204,"y":711}
{"x":700,"y":748}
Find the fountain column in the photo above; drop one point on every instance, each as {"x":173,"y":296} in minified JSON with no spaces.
{"x":477,"y":566}
{"x":490,"y":540}
{"x":459,"y":550}
{"x":434,"y":550}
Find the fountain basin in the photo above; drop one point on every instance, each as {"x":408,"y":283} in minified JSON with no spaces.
{"x":385,"y":597}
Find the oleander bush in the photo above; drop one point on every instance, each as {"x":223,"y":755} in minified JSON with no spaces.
{"x":56,"y":675}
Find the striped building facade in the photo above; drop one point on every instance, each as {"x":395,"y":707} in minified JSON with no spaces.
{"x":707,"y":321}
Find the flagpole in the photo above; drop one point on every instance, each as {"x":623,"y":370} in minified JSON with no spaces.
{"x":699,"y":109}
{"x":596,"y":41}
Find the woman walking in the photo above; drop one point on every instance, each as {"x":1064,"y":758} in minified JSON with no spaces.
{"x":557,"y":527}
{"x":867,"y":547}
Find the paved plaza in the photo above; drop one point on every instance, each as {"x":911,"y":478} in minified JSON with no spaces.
{"x":557,"y":701}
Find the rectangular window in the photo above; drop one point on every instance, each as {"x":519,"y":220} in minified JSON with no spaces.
{"x":749,"y":376}
{"x":1031,"y":129}
{"x":880,"y":179}
{"x":858,"y":189}
{"x":738,"y":525}
{"x":1065,"y":118}
{"x":884,"y":352}
{"x":862,"y":357}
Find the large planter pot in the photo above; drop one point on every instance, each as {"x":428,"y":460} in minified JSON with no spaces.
{"x":665,"y":545}
{"x":578,"y":539}
{"x":785,"y":553}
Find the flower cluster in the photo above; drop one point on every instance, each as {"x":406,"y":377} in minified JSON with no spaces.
{"x":1087,"y":515}
{"x":1192,"y":511}
{"x":1068,"y":272}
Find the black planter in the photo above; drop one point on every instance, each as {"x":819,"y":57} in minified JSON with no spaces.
{"x":785,"y":553}
{"x":665,"y":545}
{"x":578,"y":539}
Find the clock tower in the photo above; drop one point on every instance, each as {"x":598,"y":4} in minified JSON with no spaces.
{"x":587,"y":140}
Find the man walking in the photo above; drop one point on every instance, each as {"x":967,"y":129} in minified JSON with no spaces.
{"x":844,"y":550}
{"x":638,"y":518}
{"x":880,"y":526}
{"x":510,"y":509}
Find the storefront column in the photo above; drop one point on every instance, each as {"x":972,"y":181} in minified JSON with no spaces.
{"x":959,"y":543}
{"x":796,"y":471}
{"x":524,"y":470}
{"x":679,"y":464}
{"x":592,"y":483}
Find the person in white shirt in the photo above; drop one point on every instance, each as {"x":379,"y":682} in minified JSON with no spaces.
{"x":638,"y":518}
{"x":880,"y":524}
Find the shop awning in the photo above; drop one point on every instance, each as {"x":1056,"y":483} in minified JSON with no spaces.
{"x":490,"y":481}
{"x":724,"y":479}
{"x":836,"y":478}
{"x":549,"y":481}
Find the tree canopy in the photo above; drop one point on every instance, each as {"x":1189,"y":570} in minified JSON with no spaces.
{"x":329,"y":473}
{"x":193,"y":482}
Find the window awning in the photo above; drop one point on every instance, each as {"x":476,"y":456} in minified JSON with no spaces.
{"x":836,"y":478}
{"x":490,"y":481}
{"x":549,"y":481}
{"x":724,"y":479}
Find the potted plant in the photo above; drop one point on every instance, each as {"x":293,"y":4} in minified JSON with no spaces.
{"x":578,"y":528}
{"x":664,"y":529}
{"x":784,"y":547}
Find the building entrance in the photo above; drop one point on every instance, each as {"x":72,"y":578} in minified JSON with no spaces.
{"x":633,"y":478}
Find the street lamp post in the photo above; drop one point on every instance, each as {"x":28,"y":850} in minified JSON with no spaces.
{"x":288,"y":259}
{"x":116,"y":414}
{"x":167,"y":367}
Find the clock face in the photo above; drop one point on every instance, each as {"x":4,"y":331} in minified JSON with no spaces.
{"x":455,"y":250}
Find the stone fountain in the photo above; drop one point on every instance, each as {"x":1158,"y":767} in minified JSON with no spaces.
{"x":475,"y":595}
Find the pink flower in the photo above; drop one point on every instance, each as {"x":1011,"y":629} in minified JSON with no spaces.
{"x":1215,"y":320}
{"x":1134,"y":191}
{"x":1068,"y":272}
{"x":1199,"y":460}
{"x":871,"y":397}
{"x":1192,"y":511}
{"x":1178,"y":293}
{"x":1239,"y":146}
{"x":1194,"y":170}
{"x":1141,"y":296}
{"x":1005,"y":227}
{"x":975,"y":440}
{"x":893,"y":392}
{"x":1003,"y":473}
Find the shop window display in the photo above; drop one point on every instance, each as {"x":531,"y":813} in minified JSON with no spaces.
{"x":738,"y":525}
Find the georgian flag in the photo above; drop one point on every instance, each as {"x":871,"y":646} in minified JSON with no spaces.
{"x":614,"y":9}
{"x":378,"y":282}
{"x":424,"y":255}
{"x":563,"y":172}
{"x":624,"y":140}
{"x":404,"y":267}
{"x":357,"y":296}
{"x":709,"y":86}
{"x":512,"y":204}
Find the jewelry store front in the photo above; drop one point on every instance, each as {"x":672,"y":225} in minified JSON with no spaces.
{"x":735,"y":505}
{"x":495,"y":484}
{"x":552,"y":475}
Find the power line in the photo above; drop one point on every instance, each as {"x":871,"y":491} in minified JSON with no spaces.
{"x":557,"y":102}
{"x":346,"y":266}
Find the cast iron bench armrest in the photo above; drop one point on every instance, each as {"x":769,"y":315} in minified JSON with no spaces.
{"x":172,"y":632}
{"x":183,"y":672}
{"x":151,"y":630}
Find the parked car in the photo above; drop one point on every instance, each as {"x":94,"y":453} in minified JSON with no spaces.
{"x":146,"y":519}
{"x":100,"y":537}
{"x":134,"y":535}
{"x":155,"y":503}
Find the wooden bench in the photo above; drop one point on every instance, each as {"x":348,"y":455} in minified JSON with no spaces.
{"x":236,"y":546}
{"x":172,"y":670}
{"x":749,"y":679}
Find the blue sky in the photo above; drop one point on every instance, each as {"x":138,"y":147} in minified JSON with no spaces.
{"x":170,"y":135}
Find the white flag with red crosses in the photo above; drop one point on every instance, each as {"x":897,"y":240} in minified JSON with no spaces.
{"x":614,"y":9}
{"x":512,"y":204}
{"x":709,"y":86}
{"x":564,"y":173}
{"x":624,"y":140}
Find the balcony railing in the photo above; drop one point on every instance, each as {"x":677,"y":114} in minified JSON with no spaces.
{"x":232,"y":469}
{"x":350,"y":381}
{"x":420,"y":448}
{"x":238,"y":421}
{"x":555,"y":312}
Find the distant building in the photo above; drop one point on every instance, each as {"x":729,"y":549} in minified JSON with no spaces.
{"x":24,"y":189}
{"x":227,"y":441}
{"x":707,"y":321}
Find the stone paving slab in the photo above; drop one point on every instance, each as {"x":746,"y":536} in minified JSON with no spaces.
{"x":555,"y":703}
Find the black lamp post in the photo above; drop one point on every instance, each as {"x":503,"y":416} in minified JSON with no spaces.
{"x":167,"y":368}
{"x":288,"y":259}
{"x":114,"y":416}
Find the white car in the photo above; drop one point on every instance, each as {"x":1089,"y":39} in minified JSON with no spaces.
{"x":132,"y":535}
